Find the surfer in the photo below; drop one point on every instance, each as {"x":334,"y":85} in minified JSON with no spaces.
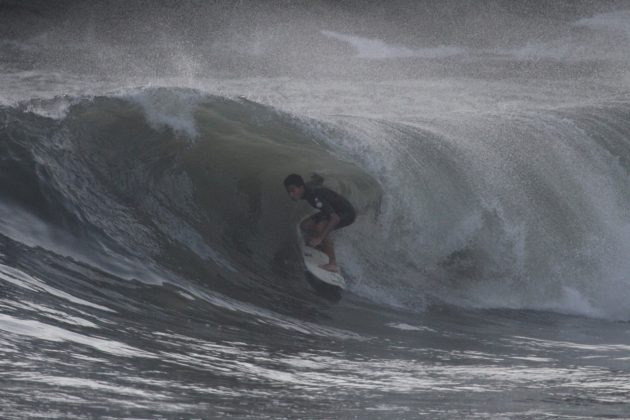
{"x":335,"y":212}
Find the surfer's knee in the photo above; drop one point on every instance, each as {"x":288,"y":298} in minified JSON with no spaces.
{"x":307,"y":225}
{"x":319,"y":227}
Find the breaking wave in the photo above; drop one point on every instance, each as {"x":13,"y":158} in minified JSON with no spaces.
{"x":524,"y":210}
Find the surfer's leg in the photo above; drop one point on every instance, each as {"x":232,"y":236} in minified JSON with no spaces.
{"x":326,"y":246}
{"x":317,"y":231}
{"x":329,"y":249}
{"x":309,"y":227}
{"x":314,"y":225}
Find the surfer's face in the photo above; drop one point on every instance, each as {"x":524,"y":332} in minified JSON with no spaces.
{"x":295,"y":192}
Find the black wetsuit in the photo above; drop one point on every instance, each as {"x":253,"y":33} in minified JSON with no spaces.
{"x":328,"y":203}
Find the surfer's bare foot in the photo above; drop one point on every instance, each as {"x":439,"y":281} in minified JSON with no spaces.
{"x":330,"y":267}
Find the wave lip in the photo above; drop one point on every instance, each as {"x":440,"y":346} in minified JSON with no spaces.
{"x":377,"y":49}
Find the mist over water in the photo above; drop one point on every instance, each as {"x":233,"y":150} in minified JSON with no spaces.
{"x":148,"y":250}
{"x":400,"y":40}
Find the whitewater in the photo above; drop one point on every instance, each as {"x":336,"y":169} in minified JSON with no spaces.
{"x":149,"y":265}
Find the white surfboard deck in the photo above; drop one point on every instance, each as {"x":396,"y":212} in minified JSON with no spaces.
{"x":313,"y":258}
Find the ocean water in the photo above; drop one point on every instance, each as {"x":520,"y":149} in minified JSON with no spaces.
{"x":148,"y":261}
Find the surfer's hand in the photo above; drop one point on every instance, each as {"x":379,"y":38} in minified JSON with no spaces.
{"x":315,"y":242}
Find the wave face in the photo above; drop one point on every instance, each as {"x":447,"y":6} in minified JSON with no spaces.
{"x":166,"y":178}
{"x":519,"y":212}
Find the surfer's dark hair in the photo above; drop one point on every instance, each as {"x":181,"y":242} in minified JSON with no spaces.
{"x":293,"y":179}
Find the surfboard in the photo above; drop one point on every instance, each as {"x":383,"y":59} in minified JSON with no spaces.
{"x":313,"y":259}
